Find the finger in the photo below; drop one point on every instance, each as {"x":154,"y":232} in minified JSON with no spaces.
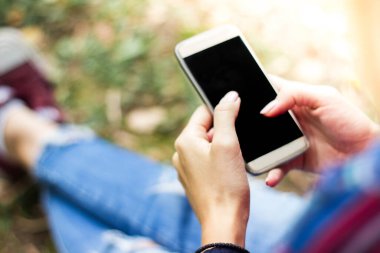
{"x":201,"y":118}
{"x":276,"y":82}
{"x":225,"y":115}
{"x":275,"y":176}
{"x":178,"y":166}
{"x":196,"y":129}
{"x":175,"y":160}
{"x":210,"y":134}
{"x":291,"y":94}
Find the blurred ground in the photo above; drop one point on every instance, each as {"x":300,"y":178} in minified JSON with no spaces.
{"x":114,"y":69}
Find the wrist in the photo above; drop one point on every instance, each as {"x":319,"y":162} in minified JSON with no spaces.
{"x":228,"y":226}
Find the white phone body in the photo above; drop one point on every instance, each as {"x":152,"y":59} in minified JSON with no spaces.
{"x":210,"y":39}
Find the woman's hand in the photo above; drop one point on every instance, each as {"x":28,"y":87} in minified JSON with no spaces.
{"x":212,"y":170}
{"x":334,"y":127}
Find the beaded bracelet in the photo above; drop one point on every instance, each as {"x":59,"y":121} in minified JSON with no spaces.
{"x":221,"y":245}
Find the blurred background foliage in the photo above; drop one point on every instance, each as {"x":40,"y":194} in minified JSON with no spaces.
{"x":114,"y":70}
{"x":107,"y":61}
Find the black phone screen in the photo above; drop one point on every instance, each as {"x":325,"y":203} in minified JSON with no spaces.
{"x":230,"y":66}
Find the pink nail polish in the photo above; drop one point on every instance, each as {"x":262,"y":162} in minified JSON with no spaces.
{"x":270,"y":183}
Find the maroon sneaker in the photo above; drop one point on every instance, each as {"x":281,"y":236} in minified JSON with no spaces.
{"x":26,"y":83}
{"x":29,"y":85}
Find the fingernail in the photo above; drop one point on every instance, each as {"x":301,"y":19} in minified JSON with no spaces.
{"x":270,"y":183}
{"x":230,"y":97}
{"x":269,"y":107}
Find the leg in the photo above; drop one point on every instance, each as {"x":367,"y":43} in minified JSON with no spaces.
{"x":93,"y":236}
{"x":118,"y":187}
{"x":22,"y":78}
{"x":128,"y":192}
{"x":140,"y":197}
{"x":272,"y":215}
{"x":123,"y":190}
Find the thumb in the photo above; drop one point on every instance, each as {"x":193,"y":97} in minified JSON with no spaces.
{"x":225,"y":114}
{"x":291,"y":94}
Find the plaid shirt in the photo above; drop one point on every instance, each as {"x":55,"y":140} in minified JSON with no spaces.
{"x":344,"y":212}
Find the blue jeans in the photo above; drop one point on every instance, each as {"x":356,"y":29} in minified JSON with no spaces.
{"x":102,"y":198}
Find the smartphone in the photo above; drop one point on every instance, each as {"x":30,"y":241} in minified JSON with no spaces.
{"x":220,"y":60}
